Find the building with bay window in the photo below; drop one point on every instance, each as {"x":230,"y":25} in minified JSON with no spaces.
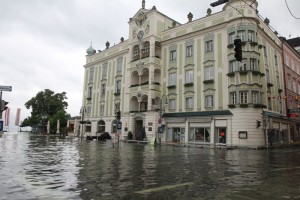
{"x":181,"y":82}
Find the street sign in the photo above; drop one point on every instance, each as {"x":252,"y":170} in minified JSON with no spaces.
{"x":119,"y":125}
{"x":5,"y":88}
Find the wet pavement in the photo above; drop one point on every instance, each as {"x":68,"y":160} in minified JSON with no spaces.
{"x":48,"y":167}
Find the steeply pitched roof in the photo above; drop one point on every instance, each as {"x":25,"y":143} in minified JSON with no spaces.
{"x":294,"y":42}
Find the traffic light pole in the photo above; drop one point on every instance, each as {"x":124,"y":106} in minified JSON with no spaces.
{"x":1,"y":105}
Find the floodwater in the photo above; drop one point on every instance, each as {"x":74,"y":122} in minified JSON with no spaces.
{"x":49,"y":167}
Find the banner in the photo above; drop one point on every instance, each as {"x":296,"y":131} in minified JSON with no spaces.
{"x":6,"y":118}
{"x":17,"y":121}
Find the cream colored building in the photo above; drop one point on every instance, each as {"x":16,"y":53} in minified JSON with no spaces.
{"x":184,"y":79}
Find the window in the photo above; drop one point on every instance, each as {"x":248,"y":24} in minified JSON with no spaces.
{"x":287,"y":60}
{"x":209,"y":73}
{"x":276,"y":60}
{"x":243,"y":97}
{"x":251,"y":36}
{"x":172,"y":104}
{"x":91,"y":77}
{"x":189,"y":76}
{"x":293,"y":65}
{"x":298,"y":87}
{"x":118,"y":86}
{"x":119,"y":65}
{"x":117,"y":107}
{"x":209,"y":46}
{"x":278,"y":82}
{"x":233,"y":66}
{"x":172,"y":79}
{"x":269,"y":103}
{"x":231,"y":38}
{"x":104,"y":71}
{"x":289,"y":85}
{"x":233,"y":98}
{"x":102,"y":109}
{"x":88,"y":110}
{"x":242,"y":35}
{"x":136,"y":52}
{"x":146,"y":48}
{"x":243,"y":65}
{"x":253,"y":64}
{"x":268,"y":76}
{"x":189,"y":51}
{"x":189,"y":102}
{"x":254,"y":97}
{"x":265,"y":51}
{"x":103,"y":88}
{"x":90,"y":90}
{"x":209,"y":101}
{"x":173,"y":55}
{"x":294,"y":85}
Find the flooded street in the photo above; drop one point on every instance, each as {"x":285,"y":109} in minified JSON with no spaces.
{"x":48,"y":167}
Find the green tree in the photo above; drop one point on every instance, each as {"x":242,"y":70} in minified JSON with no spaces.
{"x":47,"y":103}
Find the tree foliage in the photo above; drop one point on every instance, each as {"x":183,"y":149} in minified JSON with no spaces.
{"x":47,"y":104}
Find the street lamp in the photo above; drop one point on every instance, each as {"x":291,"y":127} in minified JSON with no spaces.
{"x":160,"y":115}
{"x":44,"y":117}
{"x":82,"y":122}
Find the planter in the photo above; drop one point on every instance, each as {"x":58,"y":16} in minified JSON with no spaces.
{"x":243,"y":105}
{"x":208,"y":81}
{"x":188,"y":84}
{"x":259,"y":105}
{"x":230,"y":46}
{"x":231,"y":106}
{"x":171,"y":86}
{"x":230,"y":74}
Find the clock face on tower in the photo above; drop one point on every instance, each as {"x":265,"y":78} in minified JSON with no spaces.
{"x":140,"y":35}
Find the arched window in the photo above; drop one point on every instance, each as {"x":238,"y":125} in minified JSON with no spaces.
{"x":136,"y":53}
{"x":146,"y":49}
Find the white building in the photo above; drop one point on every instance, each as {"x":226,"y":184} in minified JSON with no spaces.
{"x":184,"y":78}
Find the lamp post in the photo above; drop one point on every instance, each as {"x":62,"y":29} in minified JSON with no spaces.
{"x":44,"y":116}
{"x":160,"y":115}
{"x":82,"y":122}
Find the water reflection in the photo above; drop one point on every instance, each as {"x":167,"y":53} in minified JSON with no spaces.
{"x":48,"y":167}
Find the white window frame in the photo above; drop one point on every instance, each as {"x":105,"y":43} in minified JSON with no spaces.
{"x":233,"y":66}
{"x":233,"y":99}
{"x":251,"y":36}
{"x":189,"y":51}
{"x":172,"y":104}
{"x":209,"y":72}
{"x":119,"y":65}
{"x":103,"y":89}
{"x":209,"y":101}
{"x":118,"y":86}
{"x":102,"y":107}
{"x":254,"y":96}
{"x":173,"y":55}
{"x":104,"y":71}
{"x":242,"y":35}
{"x":189,"y":76}
{"x":231,"y":38}
{"x":209,"y":46}
{"x":243,"y":97}
{"x":172,"y":79}
{"x":189,"y":102}
{"x":91,"y":77}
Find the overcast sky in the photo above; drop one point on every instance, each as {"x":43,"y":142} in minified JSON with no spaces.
{"x":43,"y":42}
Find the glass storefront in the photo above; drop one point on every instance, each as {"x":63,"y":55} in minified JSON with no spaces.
{"x":199,"y":134}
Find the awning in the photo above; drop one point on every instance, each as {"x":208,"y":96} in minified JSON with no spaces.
{"x":198,"y":114}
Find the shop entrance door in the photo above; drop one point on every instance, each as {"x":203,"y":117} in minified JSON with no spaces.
{"x":220,"y":136}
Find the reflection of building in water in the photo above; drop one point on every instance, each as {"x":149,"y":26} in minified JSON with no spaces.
{"x":185,"y":80}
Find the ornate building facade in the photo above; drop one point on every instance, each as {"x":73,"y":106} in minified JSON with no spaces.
{"x":181,"y":82}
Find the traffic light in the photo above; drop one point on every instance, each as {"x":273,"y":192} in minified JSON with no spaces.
{"x":238,"y":49}
{"x":118,"y":115}
{"x":218,"y":3}
{"x":258,"y":124}
{"x":3,"y":105}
